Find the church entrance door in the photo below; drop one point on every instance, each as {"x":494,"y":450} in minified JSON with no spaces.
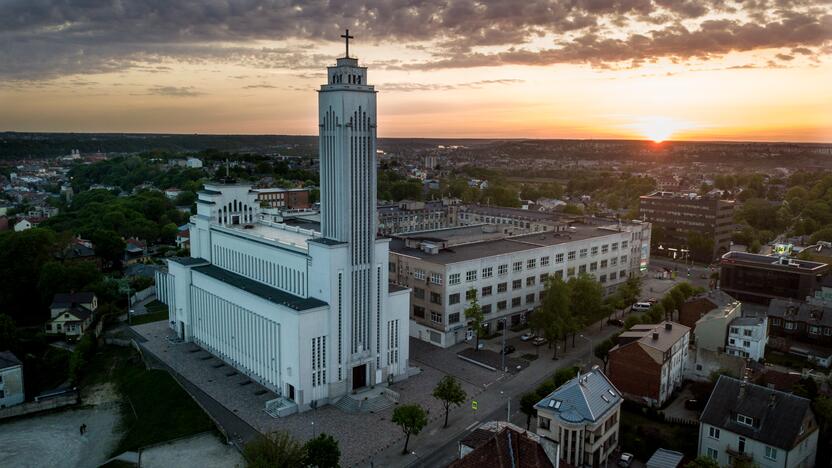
{"x":359,"y":376}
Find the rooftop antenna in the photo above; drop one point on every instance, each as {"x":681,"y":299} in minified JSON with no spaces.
{"x":227,"y":166}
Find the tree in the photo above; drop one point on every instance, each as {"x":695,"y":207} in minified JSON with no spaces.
{"x":412,"y":419}
{"x":322,"y":452}
{"x":527,"y":402}
{"x":449,"y":391}
{"x":586,"y":297}
{"x":563,"y":375}
{"x":474,"y":315}
{"x":553,"y":312}
{"x":277,"y":450}
{"x":108,"y":245}
{"x":702,"y":461}
{"x":602,"y":350}
{"x":8,"y":333}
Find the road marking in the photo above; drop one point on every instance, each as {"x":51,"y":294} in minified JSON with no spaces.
{"x":472,"y":425}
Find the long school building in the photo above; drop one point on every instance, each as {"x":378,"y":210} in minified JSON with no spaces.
{"x":507,"y":275}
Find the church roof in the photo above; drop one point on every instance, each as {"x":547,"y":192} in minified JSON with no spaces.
{"x":261,"y":290}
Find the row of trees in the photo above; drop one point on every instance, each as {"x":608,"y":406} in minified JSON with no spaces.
{"x":281,"y":450}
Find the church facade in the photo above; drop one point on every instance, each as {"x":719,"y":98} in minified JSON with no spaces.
{"x":309,"y":315}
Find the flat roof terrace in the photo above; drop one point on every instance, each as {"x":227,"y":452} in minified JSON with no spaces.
{"x":780,"y":263}
{"x":274,"y":232}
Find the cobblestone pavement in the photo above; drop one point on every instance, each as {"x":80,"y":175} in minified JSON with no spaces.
{"x":203,"y":450}
{"x":361,"y":436}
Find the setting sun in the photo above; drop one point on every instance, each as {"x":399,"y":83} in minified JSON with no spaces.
{"x":659,"y":129}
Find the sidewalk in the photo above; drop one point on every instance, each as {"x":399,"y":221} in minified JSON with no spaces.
{"x":435,"y":446}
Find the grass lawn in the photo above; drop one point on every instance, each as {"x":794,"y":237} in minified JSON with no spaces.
{"x":788,"y":360}
{"x":156,"y":311}
{"x":156,"y":306}
{"x":642,"y":436}
{"x":154,"y":407}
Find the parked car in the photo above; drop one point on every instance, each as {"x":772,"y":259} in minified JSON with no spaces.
{"x":652,"y":300}
{"x":625,"y":460}
{"x":527,"y":336}
{"x":539,"y":341}
{"x":509,"y":349}
{"x":616,"y":322}
{"x":641,"y":306}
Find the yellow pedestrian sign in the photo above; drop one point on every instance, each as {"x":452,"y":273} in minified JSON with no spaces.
{"x":474,"y":405}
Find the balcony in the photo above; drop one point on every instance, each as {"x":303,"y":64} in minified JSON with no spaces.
{"x":738,"y":455}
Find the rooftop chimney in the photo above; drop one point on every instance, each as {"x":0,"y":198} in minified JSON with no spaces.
{"x":655,"y":336}
{"x":668,"y":326}
{"x":772,"y":399}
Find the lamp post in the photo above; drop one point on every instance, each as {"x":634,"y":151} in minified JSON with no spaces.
{"x":589,"y":352}
{"x":508,"y":409}
{"x":503,"y":350}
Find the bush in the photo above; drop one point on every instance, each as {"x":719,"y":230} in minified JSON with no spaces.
{"x":84,"y":351}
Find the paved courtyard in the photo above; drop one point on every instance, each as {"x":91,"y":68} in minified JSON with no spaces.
{"x":54,"y":439}
{"x":377,"y":433}
{"x":202,"y":450}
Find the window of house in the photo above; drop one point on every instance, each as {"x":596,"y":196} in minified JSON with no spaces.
{"x":771,"y":453}
{"x":559,"y":274}
{"x":436,"y":278}
{"x":419,"y":274}
{"x":435,"y":317}
{"x":471,"y":275}
{"x":530,"y":281}
{"x":624,"y":244}
{"x":544,"y":277}
{"x":743,"y":419}
{"x":612,"y":276}
{"x":502,"y":287}
{"x":543,"y":423}
{"x":582,"y":269}
{"x":559,"y":258}
{"x":516,"y":301}
{"x":603,"y":278}
{"x":790,"y":326}
{"x":746,"y":344}
{"x":713,"y":433}
{"x":419,"y":293}
{"x":453,"y":278}
{"x":735,"y":330}
{"x":517,"y":266}
{"x":570,"y":271}
{"x":713,"y":453}
{"x":453,"y":299}
{"x":544,"y":261}
{"x":615,"y":246}
{"x":614,"y":261}
{"x":501,"y":305}
{"x":622,"y":273}
{"x":470,"y":294}
{"x":814,"y":330}
{"x":594,"y":251}
{"x":517,"y":284}
{"x":605,"y":248}
{"x":418,"y":311}
{"x":487,"y":272}
{"x":623,"y":259}
{"x":502,"y":270}
{"x":453,"y":318}
{"x":593,"y":266}
{"x":583,"y":253}
{"x":486,"y":291}
{"x":435,"y":298}
{"x":529,"y":298}
{"x":747,"y":332}
{"x":531,"y":263}
{"x":486,"y":309}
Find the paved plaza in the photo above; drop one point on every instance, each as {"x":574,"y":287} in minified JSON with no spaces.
{"x":202,"y":450}
{"x":247,"y":402}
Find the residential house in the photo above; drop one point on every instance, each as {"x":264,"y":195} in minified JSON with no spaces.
{"x":744,"y":422}
{"x":183,"y":239}
{"x":134,"y":250}
{"x":747,"y":337}
{"x":700,"y":305}
{"x":710,"y":315}
{"x":582,"y":416}
{"x":664,"y":458}
{"x":62,"y":302}
{"x":802,"y":328}
{"x":648,"y":362}
{"x":72,"y":323}
{"x":172,"y":193}
{"x":11,"y":380}
{"x":503,"y":445}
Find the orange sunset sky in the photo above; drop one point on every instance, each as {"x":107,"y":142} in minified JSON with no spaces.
{"x":644,"y":69}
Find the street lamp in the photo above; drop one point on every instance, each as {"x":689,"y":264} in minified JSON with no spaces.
{"x":589,"y":352}
{"x":508,"y":410}
{"x":503,"y":350}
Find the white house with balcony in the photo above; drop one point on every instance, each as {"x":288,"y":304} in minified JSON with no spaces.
{"x":747,"y":337}
{"x":582,"y":416}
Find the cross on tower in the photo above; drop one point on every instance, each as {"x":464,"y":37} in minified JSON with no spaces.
{"x":347,"y":38}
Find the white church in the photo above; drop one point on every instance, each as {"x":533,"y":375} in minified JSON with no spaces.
{"x":307,"y":314}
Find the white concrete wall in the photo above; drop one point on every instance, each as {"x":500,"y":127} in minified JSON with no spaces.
{"x":11,"y":383}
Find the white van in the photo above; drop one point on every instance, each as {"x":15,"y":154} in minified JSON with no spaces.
{"x":641,"y":306}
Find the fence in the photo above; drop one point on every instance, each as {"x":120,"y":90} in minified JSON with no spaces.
{"x":59,"y":401}
{"x":139,"y":296}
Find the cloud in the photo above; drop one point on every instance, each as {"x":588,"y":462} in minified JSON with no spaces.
{"x":45,"y":39}
{"x":407,"y":87}
{"x":260,"y":86}
{"x":174,"y":91}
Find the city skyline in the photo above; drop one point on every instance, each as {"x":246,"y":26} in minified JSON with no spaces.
{"x":656,"y":70}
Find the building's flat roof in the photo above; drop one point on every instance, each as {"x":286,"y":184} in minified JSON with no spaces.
{"x":279,"y":233}
{"x":773,"y":261}
{"x":474,"y":250}
{"x":261,"y":290}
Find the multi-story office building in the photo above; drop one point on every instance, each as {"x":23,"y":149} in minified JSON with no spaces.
{"x":283,"y":199}
{"x":448,"y":268}
{"x":412,"y":216}
{"x":582,"y":416}
{"x":802,"y":328}
{"x":761,"y":278}
{"x":648,"y":363}
{"x":756,"y":425}
{"x":675,"y":216}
